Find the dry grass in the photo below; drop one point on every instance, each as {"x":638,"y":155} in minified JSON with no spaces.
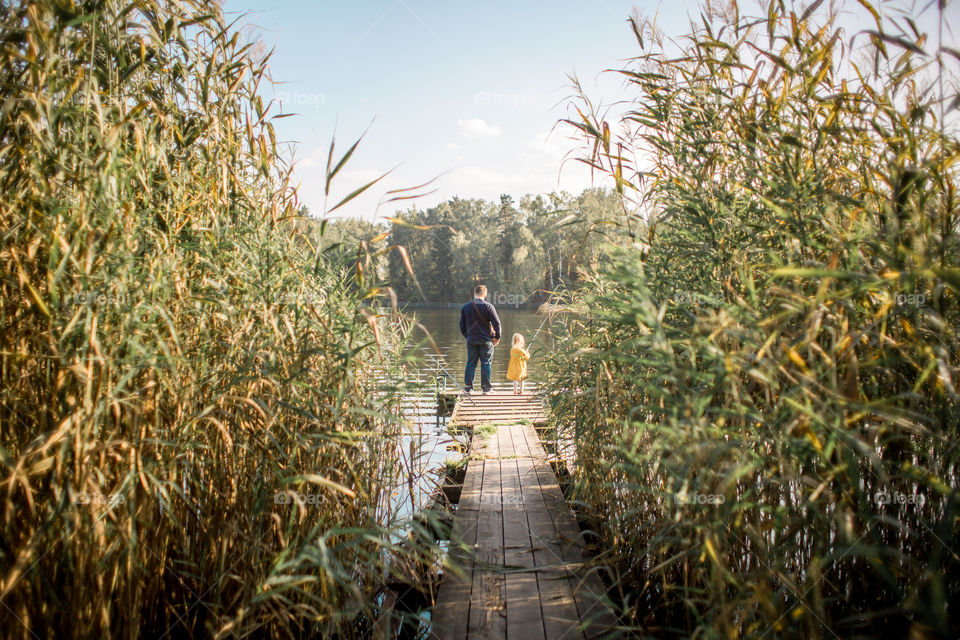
{"x":779,"y":350}
{"x":178,"y":359}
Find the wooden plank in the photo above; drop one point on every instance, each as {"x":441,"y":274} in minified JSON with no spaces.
{"x":500,"y":406}
{"x":589,"y":591}
{"x":450,"y":615}
{"x":520,"y":445}
{"x":453,"y":414}
{"x":466,"y":421}
{"x":556,"y":594}
{"x":501,"y":418}
{"x":524,"y":614}
{"x":497,"y":408}
{"x":500,"y":401}
{"x":487,"y":599}
{"x":510,"y":416}
{"x":498,"y":412}
{"x":505,"y":443}
{"x":502,"y":415}
{"x":493,"y":398}
{"x":558,"y":609}
{"x":495,"y":412}
{"x":506,"y":416}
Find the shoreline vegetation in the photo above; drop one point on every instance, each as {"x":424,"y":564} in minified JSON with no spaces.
{"x":523,"y":252}
{"x":766,"y":419}
{"x":757,"y":339}
{"x":181,"y":455}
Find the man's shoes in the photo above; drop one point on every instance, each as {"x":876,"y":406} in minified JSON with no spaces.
{"x":467,"y":392}
{"x":487,"y":392}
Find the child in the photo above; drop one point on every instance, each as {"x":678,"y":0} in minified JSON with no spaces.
{"x":517,"y":369}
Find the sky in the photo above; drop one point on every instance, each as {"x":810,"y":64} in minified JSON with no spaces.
{"x":466,"y":93}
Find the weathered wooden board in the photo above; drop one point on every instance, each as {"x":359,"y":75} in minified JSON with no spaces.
{"x":516,"y":544}
{"x":498,"y":407}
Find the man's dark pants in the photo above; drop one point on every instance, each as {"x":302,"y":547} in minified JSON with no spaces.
{"x":482,"y":352}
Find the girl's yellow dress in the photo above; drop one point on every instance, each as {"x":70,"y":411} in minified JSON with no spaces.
{"x":517,"y":369}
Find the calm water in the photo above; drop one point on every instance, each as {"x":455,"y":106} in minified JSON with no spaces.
{"x":443,"y":327}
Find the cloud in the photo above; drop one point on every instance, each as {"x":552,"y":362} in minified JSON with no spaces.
{"x":476,"y":128}
{"x":314,"y":159}
{"x":533,"y":167}
{"x":527,"y":164}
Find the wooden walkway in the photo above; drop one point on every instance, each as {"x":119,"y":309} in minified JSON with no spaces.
{"x":515,"y":542}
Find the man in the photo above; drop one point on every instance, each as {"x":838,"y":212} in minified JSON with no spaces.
{"x":480,"y":325}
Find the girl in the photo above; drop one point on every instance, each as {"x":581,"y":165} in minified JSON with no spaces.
{"x":517,"y":370}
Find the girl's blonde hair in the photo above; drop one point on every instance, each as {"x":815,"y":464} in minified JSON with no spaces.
{"x":518,"y":340}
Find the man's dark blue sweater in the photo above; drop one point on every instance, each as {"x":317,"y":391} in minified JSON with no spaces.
{"x":475,"y":320}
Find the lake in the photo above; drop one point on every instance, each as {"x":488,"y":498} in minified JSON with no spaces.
{"x":443,"y":327}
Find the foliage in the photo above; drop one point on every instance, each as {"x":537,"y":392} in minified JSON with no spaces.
{"x":179,"y":361}
{"x":763,"y":391}
{"x":542,"y":244}
{"x":349,"y":240}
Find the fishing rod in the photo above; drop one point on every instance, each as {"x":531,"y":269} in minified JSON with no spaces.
{"x":546,"y":316}
{"x":449,"y":375}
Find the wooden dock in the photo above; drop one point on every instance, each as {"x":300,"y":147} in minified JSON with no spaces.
{"x":516,"y":547}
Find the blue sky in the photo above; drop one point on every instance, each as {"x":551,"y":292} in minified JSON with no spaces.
{"x":469,"y":90}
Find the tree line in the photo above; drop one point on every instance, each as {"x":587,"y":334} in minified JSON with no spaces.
{"x":521,"y":250}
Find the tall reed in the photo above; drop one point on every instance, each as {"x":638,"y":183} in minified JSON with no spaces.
{"x":763,"y":389}
{"x":193,"y":438}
